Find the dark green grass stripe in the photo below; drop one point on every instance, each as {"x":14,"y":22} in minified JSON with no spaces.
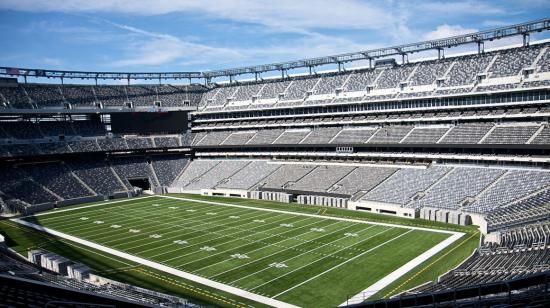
{"x":259,"y":252}
{"x":282,"y":255}
{"x":105,"y":213}
{"x":205,"y":223}
{"x":354,"y":277}
{"x":73,"y":219}
{"x":285,"y":240}
{"x":225,"y":241}
{"x":310,"y":265}
{"x":67,"y":212}
{"x":143,"y":220}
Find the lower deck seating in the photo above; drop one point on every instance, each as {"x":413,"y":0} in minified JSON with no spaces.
{"x":29,"y":184}
{"x":521,"y":251}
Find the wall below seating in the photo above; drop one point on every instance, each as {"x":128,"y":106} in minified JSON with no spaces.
{"x":225,"y":193}
{"x":454,"y":217}
{"x":323,"y":201}
{"x":382,"y":208}
{"x":271,"y":196}
{"x":79,"y":200}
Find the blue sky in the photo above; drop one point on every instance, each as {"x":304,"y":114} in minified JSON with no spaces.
{"x":161,"y":35}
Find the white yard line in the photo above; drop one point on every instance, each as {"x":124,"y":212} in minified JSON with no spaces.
{"x":314,"y":215}
{"x":220,"y":286}
{"x":260,"y":248}
{"x":309,"y":251}
{"x":249,"y":295}
{"x":182,"y":236}
{"x":145,"y":223}
{"x":70,"y":223}
{"x":248,"y":242}
{"x":222,"y":235}
{"x":345,"y":262}
{"x":392,"y":276}
{"x":86,"y":206}
{"x":400,"y":272}
{"x":291,"y":247}
{"x":174,"y":224}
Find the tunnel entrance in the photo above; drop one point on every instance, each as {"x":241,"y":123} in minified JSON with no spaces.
{"x":142,"y":183}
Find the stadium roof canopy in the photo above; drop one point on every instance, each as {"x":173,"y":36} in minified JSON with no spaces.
{"x":478,"y":38}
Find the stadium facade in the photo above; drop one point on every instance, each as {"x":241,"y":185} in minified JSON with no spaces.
{"x":461,"y":140}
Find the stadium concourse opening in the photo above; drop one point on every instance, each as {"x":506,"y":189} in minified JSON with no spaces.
{"x":315,"y":190}
{"x":141,"y":183}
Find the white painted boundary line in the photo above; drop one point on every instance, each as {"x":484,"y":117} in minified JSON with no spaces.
{"x":55,"y":211}
{"x":259,"y":298}
{"x":398,"y":273}
{"x":390,"y":278}
{"x":343,"y":263}
{"x":163,"y":268}
{"x":314,"y":215}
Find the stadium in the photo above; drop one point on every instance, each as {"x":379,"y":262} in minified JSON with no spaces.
{"x":403,"y":182}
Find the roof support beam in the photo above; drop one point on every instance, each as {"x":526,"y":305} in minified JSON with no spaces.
{"x":523,"y":29}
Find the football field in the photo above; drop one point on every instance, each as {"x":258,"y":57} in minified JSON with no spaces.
{"x":280,"y":256}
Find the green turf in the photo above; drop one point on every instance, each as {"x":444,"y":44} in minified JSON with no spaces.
{"x":320,"y":264}
{"x":21,"y":239}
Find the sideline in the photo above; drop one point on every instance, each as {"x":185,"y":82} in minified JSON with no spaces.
{"x":220,"y":286}
{"x":56,"y":211}
{"x":314,"y":215}
{"x":400,"y":272}
{"x":388,"y":279}
{"x":371,"y":290}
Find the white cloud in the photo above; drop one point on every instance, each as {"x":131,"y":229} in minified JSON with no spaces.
{"x":152,"y":48}
{"x":284,"y":14}
{"x":389,"y":21}
{"x":446,"y":30}
{"x":52,"y":61}
{"x":453,"y":8}
{"x":493,"y":23}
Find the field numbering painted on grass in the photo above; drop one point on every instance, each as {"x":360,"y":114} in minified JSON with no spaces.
{"x":278,"y":265}
{"x":228,"y":252}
